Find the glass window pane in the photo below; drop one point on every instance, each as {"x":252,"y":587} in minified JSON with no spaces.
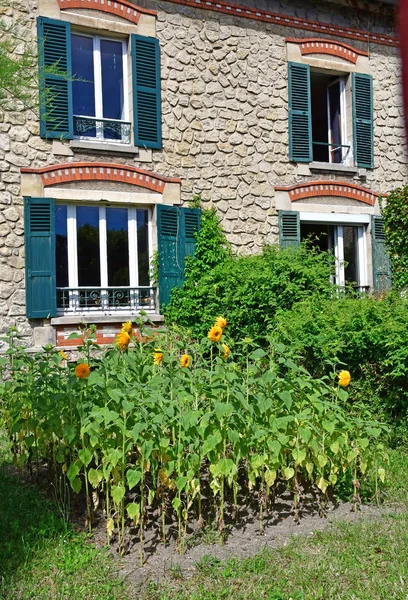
{"x":61,"y":246}
{"x":83,"y":91}
{"x":350,"y":242}
{"x":112,"y":81}
{"x":143,"y":246}
{"x":118,"y":246}
{"x":89,"y":272}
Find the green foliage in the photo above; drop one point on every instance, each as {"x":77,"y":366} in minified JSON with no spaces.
{"x":247,"y":290}
{"x":395,"y":214}
{"x":167,"y":433}
{"x":367,"y":335}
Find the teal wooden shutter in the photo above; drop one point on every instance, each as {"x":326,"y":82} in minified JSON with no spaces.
{"x":300,"y":113}
{"x":176,"y":228}
{"x":289,"y":229}
{"x":362,"y":90}
{"x":146,"y":91}
{"x":381,"y":257}
{"x":54,"y":54}
{"x":39,"y":231}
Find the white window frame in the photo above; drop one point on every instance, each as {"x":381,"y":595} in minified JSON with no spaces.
{"x":343,"y":130}
{"x":72,"y":248}
{"x":97,"y":64}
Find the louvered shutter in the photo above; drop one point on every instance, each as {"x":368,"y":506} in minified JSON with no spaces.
{"x":381,"y":257}
{"x":300,"y":113}
{"x":289,"y":229}
{"x":54,"y":50}
{"x":176,"y":228}
{"x":39,"y":232}
{"x":146,"y":91}
{"x":362,"y":90}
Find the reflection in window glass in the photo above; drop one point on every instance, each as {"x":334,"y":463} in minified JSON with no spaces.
{"x":143,"y":246}
{"x":118,"y":246}
{"x":89,"y":272}
{"x":112,"y":79}
{"x":83,"y":87}
{"x":350,"y":243}
{"x":61,"y":246}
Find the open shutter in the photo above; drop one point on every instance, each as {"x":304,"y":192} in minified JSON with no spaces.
{"x":176,"y":228}
{"x":362,"y":89}
{"x":289,"y":229}
{"x":55,"y":84}
{"x":39,"y":230}
{"x":146,"y":91}
{"x":300,"y":113}
{"x":381,"y":257}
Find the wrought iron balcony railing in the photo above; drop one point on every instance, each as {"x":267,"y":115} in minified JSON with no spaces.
{"x":108,"y":130}
{"x":108,"y":299}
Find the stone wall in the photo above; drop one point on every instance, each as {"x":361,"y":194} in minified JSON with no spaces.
{"x":225,"y":126}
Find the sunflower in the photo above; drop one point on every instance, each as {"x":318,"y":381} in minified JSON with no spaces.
{"x":63,"y":355}
{"x":127,"y":327}
{"x":221,"y":322}
{"x":215,"y":333}
{"x":82,"y":371}
{"x":122,"y":340}
{"x":185,"y":361}
{"x":157,"y":356}
{"x":227,"y":351}
{"x":344,"y":378}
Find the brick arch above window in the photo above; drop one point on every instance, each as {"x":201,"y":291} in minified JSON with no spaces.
{"x":316,"y":189}
{"x":119,"y":8}
{"x":329,"y":47}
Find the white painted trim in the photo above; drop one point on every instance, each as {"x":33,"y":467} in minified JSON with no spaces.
{"x":362,"y":256}
{"x":82,"y":196}
{"x":103,"y":251}
{"x":320,"y":217}
{"x":133,"y":255}
{"x":72,"y":246}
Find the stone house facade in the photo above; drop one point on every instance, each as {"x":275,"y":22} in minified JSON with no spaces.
{"x":286,"y":116}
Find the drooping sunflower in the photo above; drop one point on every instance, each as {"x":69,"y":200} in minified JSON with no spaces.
{"x":127,"y":327}
{"x":221,"y":322}
{"x":82,"y":371}
{"x":122,"y":340}
{"x":157,"y":356}
{"x":215,"y":333}
{"x":227,"y":351}
{"x":63,"y":355}
{"x":344,"y":378}
{"x":185,"y":361}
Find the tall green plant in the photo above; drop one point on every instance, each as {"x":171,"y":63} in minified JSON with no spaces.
{"x":394,"y":209}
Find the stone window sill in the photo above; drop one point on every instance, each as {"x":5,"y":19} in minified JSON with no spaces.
{"x":104,"y":147}
{"x":334,"y":168}
{"x":97,"y":319}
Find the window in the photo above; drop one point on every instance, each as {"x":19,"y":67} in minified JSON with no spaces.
{"x":330,"y":117}
{"x":99,"y":88}
{"x":102,"y":258}
{"x":86,"y":96}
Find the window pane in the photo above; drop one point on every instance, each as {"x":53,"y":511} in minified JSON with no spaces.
{"x":350,"y":254}
{"x":112,"y":82}
{"x":118,"y":246}
{"x":89,"y":272}
{"x":143,"y":246}
{"x":83,"y":92}
{"x":61,"y":246}
{"x":335,"y":122}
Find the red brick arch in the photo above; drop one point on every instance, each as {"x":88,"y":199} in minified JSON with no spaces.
{"x":98,"y":171}
{"x":329,"y":47}
{"x":119,"y":8}
{"x":314,"y":189}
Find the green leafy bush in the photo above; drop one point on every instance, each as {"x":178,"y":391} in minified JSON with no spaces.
{"x":248,"y":290}
{"x":395,"y":213}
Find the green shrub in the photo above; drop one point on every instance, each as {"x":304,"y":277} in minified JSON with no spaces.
{"x":395,"y":213}
{"x":247,"y":290}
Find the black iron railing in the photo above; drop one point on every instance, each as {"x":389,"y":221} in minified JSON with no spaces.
{"x":108,"y":130}
{"x":108,"y":299}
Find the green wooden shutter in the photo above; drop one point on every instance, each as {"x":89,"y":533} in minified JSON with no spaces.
{"x":39,"y":231}
{"x":300,"y":113}
{"x":362,"y":90}
{"x":176,"y":228}
{"x":381,"y":257}
{"x":146,"y":91}
{"x":54,"y":50}
{"x":289,"y":229}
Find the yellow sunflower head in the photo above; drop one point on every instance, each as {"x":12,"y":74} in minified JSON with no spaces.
{"x":157,"y":356}
{"x":63,"y":355}
{"x":122,"y":340}
{"x":127,"y":327}
{"x":215,"y":333}
{"x":227,"y":351}
{"x":221,"y":322}
{"x":344,"y":378}
{"x":82,"y":371}
{"x":185,"y":361}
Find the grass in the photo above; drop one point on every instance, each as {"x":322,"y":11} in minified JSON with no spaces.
{"x":41,"y":556}
{"x":367,"y":560}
